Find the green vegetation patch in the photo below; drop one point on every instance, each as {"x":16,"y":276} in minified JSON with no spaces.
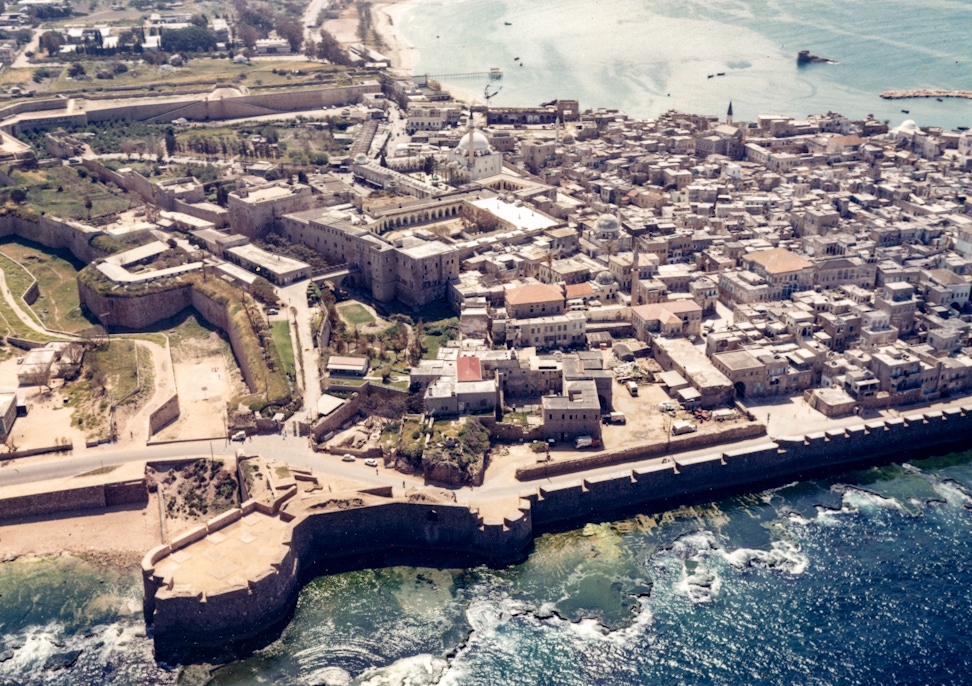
{"x":58,"y":306}
{"x":66,"y":192}
{"x":281,"y":339}
{"x":438,"y":333}
{"x":354,"y":314}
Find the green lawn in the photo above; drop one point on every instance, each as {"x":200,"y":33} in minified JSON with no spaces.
{"x":58,"y":306}
{"x":355,"y":314}
{"x":281,"y":339}
{"x":10,"y":324}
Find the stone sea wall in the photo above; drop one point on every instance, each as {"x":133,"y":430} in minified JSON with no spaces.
{"x":184,"y":618}
{"x":231,"y":615}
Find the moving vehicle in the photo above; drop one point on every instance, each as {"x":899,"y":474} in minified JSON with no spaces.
{"x":632,"y":388}
{"x":347,"y":458}
{"x":371,"y":462}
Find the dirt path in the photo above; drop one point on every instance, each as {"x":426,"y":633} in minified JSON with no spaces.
{"x":28,"y":321}
{"x":136,"y":429}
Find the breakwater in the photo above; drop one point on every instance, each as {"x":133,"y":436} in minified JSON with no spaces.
{"x":926,"y":93}
{"x":322,"y":530}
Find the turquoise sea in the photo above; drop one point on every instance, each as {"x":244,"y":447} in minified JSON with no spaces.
{"x":862,"y":579}
{"x":648,"y":56}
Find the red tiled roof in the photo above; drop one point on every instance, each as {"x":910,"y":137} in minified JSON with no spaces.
{"x":469,"y":369}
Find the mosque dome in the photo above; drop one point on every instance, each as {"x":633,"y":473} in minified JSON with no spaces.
{"x":605,"y":278}
{"x":607,"y":224}
{"x":361,"y":158}
{"x":479,"y":142}
{"x":908,"y":127}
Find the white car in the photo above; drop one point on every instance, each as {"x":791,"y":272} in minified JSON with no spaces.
{"x":371,"y":462}
{"x":347,"y":457}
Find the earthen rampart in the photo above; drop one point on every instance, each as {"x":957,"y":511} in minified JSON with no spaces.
{"x":58,"y":234}
{"x":235,"y":613}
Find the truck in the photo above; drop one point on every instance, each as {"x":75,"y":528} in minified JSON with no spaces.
{"x":632,"y":388}
{"x":614,"y":418}
{"x":586,"y":442}
{"x":679,"y":428}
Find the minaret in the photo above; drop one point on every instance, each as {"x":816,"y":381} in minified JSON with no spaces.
{"x":729,"y":114}
{"x":557,"y":130}
{"x":472,"y":142}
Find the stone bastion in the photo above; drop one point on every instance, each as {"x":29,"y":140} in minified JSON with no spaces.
{"x":234,"y":578}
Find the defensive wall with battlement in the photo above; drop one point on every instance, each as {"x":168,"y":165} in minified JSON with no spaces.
{"x":184,"y":617}
{"x":222,"y":103}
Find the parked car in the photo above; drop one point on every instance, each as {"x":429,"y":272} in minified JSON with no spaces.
{"x":273,"y":310}
{"x":679,"y":428}
{"x":371,"y":462}
{"x":632,"y":388}
{"x":238,"y":436}
{"x":586,"y":442}
{"x":347,"y":458}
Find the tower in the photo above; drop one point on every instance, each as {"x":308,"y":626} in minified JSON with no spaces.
{"x":729,"y":114}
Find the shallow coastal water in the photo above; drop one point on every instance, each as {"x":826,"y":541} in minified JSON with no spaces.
{"x":863,"y":579}
{"x":647,"y":56}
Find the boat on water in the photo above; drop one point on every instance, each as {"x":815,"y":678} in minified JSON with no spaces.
{"x":711,"y":75}
{"x":507,"y":23}
{"x":906,"y":111}
{"x":516,"y":59}
{"x":721,"y":73}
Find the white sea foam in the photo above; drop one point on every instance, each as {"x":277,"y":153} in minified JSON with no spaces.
{"x":417,"y":670}
{"x":701,"y":586}
{"x":859,"y":499}
{"x":328,"y":676}
{"x":783,"y":556}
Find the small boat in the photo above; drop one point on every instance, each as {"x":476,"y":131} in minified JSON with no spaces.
{"x":711,"y":75}
{"x":939,"y":100}
{"x":507,"y":23}
{"x":521,"y":64}
{"x":906,"y":111}
{"x":516,"y":59}
{"x":721,"y":73}
{"x":962,"y":128}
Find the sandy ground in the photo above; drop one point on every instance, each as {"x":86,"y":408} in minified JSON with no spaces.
{"x":92,"y":534}
{"x":204,"y":387}
{"x":403,"y":55}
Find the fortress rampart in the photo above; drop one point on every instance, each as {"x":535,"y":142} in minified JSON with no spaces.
{"x":184,"y":617}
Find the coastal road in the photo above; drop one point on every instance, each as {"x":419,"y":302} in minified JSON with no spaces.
{"x":500,"y":482}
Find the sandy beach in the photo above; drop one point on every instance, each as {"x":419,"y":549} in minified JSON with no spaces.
{"x":404,"y":56}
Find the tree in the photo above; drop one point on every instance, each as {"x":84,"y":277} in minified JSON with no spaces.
{"x":248,"y":35}
{"x":170,"y":141}
{"x":188,"y":39}
{"x":18,"y":195}
{"x":293,"y":32}
{"x":128,"y":147}
{"x":76,"y":70}
{"x":331,"y":50}
{"x":51,"y":42}
{"x":199,"y":20}
{"x":87,"y":205}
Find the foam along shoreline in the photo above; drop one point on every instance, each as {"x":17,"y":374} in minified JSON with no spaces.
{"x":387,"y":18}
{"x":222,"y":585}
{"x":926,"y":93}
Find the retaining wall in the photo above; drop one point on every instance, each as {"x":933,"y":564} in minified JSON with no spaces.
{"x":166,"y":412}
{"x":81,"y":498}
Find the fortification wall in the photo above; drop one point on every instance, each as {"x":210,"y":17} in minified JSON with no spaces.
{"x":216,"y":314}
{"x":229,"y":107}
{"x":240,"y":612}
{"x":135,"y":311}
{"x":54,"y":233}
{"x":641,"y":452}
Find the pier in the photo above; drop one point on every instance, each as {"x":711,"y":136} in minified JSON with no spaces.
{"x":926,"y":93}
{"x":494,"y":73}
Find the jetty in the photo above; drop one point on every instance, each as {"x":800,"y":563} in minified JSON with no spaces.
{"x":926,"y":93}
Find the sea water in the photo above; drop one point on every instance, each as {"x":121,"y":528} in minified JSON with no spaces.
{"x":861,"y":579}
{"x":648,"y":56}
